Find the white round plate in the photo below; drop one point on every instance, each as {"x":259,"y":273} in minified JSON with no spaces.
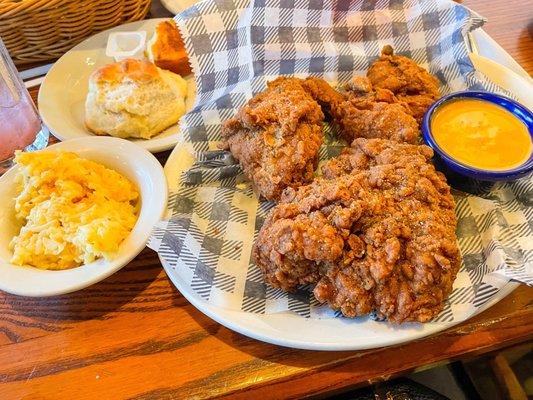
{"x":62,"y":94}
{"x":177,"y":6}
{"x":136,"y":164}
{"x":290,"y":330}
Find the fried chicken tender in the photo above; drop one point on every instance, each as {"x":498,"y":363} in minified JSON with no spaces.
{"x":409,"y":82}
{"x":293,"y":244}
{"x":276,"y":137}
{"x":379,"y":239}
{"x":361,"y":111}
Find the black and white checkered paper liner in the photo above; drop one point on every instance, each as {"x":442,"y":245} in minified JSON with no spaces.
{"x":235,"y":47}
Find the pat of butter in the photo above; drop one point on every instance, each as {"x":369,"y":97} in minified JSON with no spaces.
{"x":121,"y":45}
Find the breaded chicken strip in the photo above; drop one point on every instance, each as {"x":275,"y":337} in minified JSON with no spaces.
{"x":361,"y":111}
{"x":276,"y":137}
{"x":409,"y":82}
{"x":380,"y":239}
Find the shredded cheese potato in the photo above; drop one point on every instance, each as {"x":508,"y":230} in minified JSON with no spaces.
{"x":73,"y":211}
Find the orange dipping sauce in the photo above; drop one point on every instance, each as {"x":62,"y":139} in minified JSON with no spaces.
{"x":481,"y":134}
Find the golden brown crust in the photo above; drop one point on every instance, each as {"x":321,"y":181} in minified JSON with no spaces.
{"x":140,"y":71}
{"x":363,"y":111}
{"x":168,"y":50}
{"x":412,"y":84}
{"x":377,"y":237}
{"x":276,"y":137}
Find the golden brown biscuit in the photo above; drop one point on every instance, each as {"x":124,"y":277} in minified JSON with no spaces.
{"x":133,"y":98}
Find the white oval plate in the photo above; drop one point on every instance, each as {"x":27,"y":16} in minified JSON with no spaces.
{"x":62,"y":94}
{"x":136,"y":164}
{"x":290,"y":330}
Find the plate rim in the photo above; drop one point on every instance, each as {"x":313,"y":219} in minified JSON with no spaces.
{"x":224,"y":318}
{"x":153,"y":145}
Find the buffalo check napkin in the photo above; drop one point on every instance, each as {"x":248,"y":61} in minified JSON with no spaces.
{"x":235,"y":47}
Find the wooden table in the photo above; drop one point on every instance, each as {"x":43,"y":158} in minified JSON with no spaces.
{"x":134,"y":336}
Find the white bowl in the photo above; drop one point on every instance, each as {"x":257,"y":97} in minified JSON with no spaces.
{"x":132,"y":161}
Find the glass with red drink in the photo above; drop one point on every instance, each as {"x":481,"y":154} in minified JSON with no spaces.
{"x":20,"y":125}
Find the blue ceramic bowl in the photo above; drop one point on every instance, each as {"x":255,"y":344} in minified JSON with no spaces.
{"x":517,"y":109}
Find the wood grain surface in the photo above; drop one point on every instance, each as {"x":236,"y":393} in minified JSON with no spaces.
{"x":134,"y":336}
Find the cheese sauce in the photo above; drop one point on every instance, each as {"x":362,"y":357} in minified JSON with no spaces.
{"x":481,"y":134}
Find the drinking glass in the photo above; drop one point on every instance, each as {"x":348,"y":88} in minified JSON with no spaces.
{"x":20,"y":125}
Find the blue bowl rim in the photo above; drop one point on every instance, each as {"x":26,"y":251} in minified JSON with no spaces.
{"x":525,"y":115}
